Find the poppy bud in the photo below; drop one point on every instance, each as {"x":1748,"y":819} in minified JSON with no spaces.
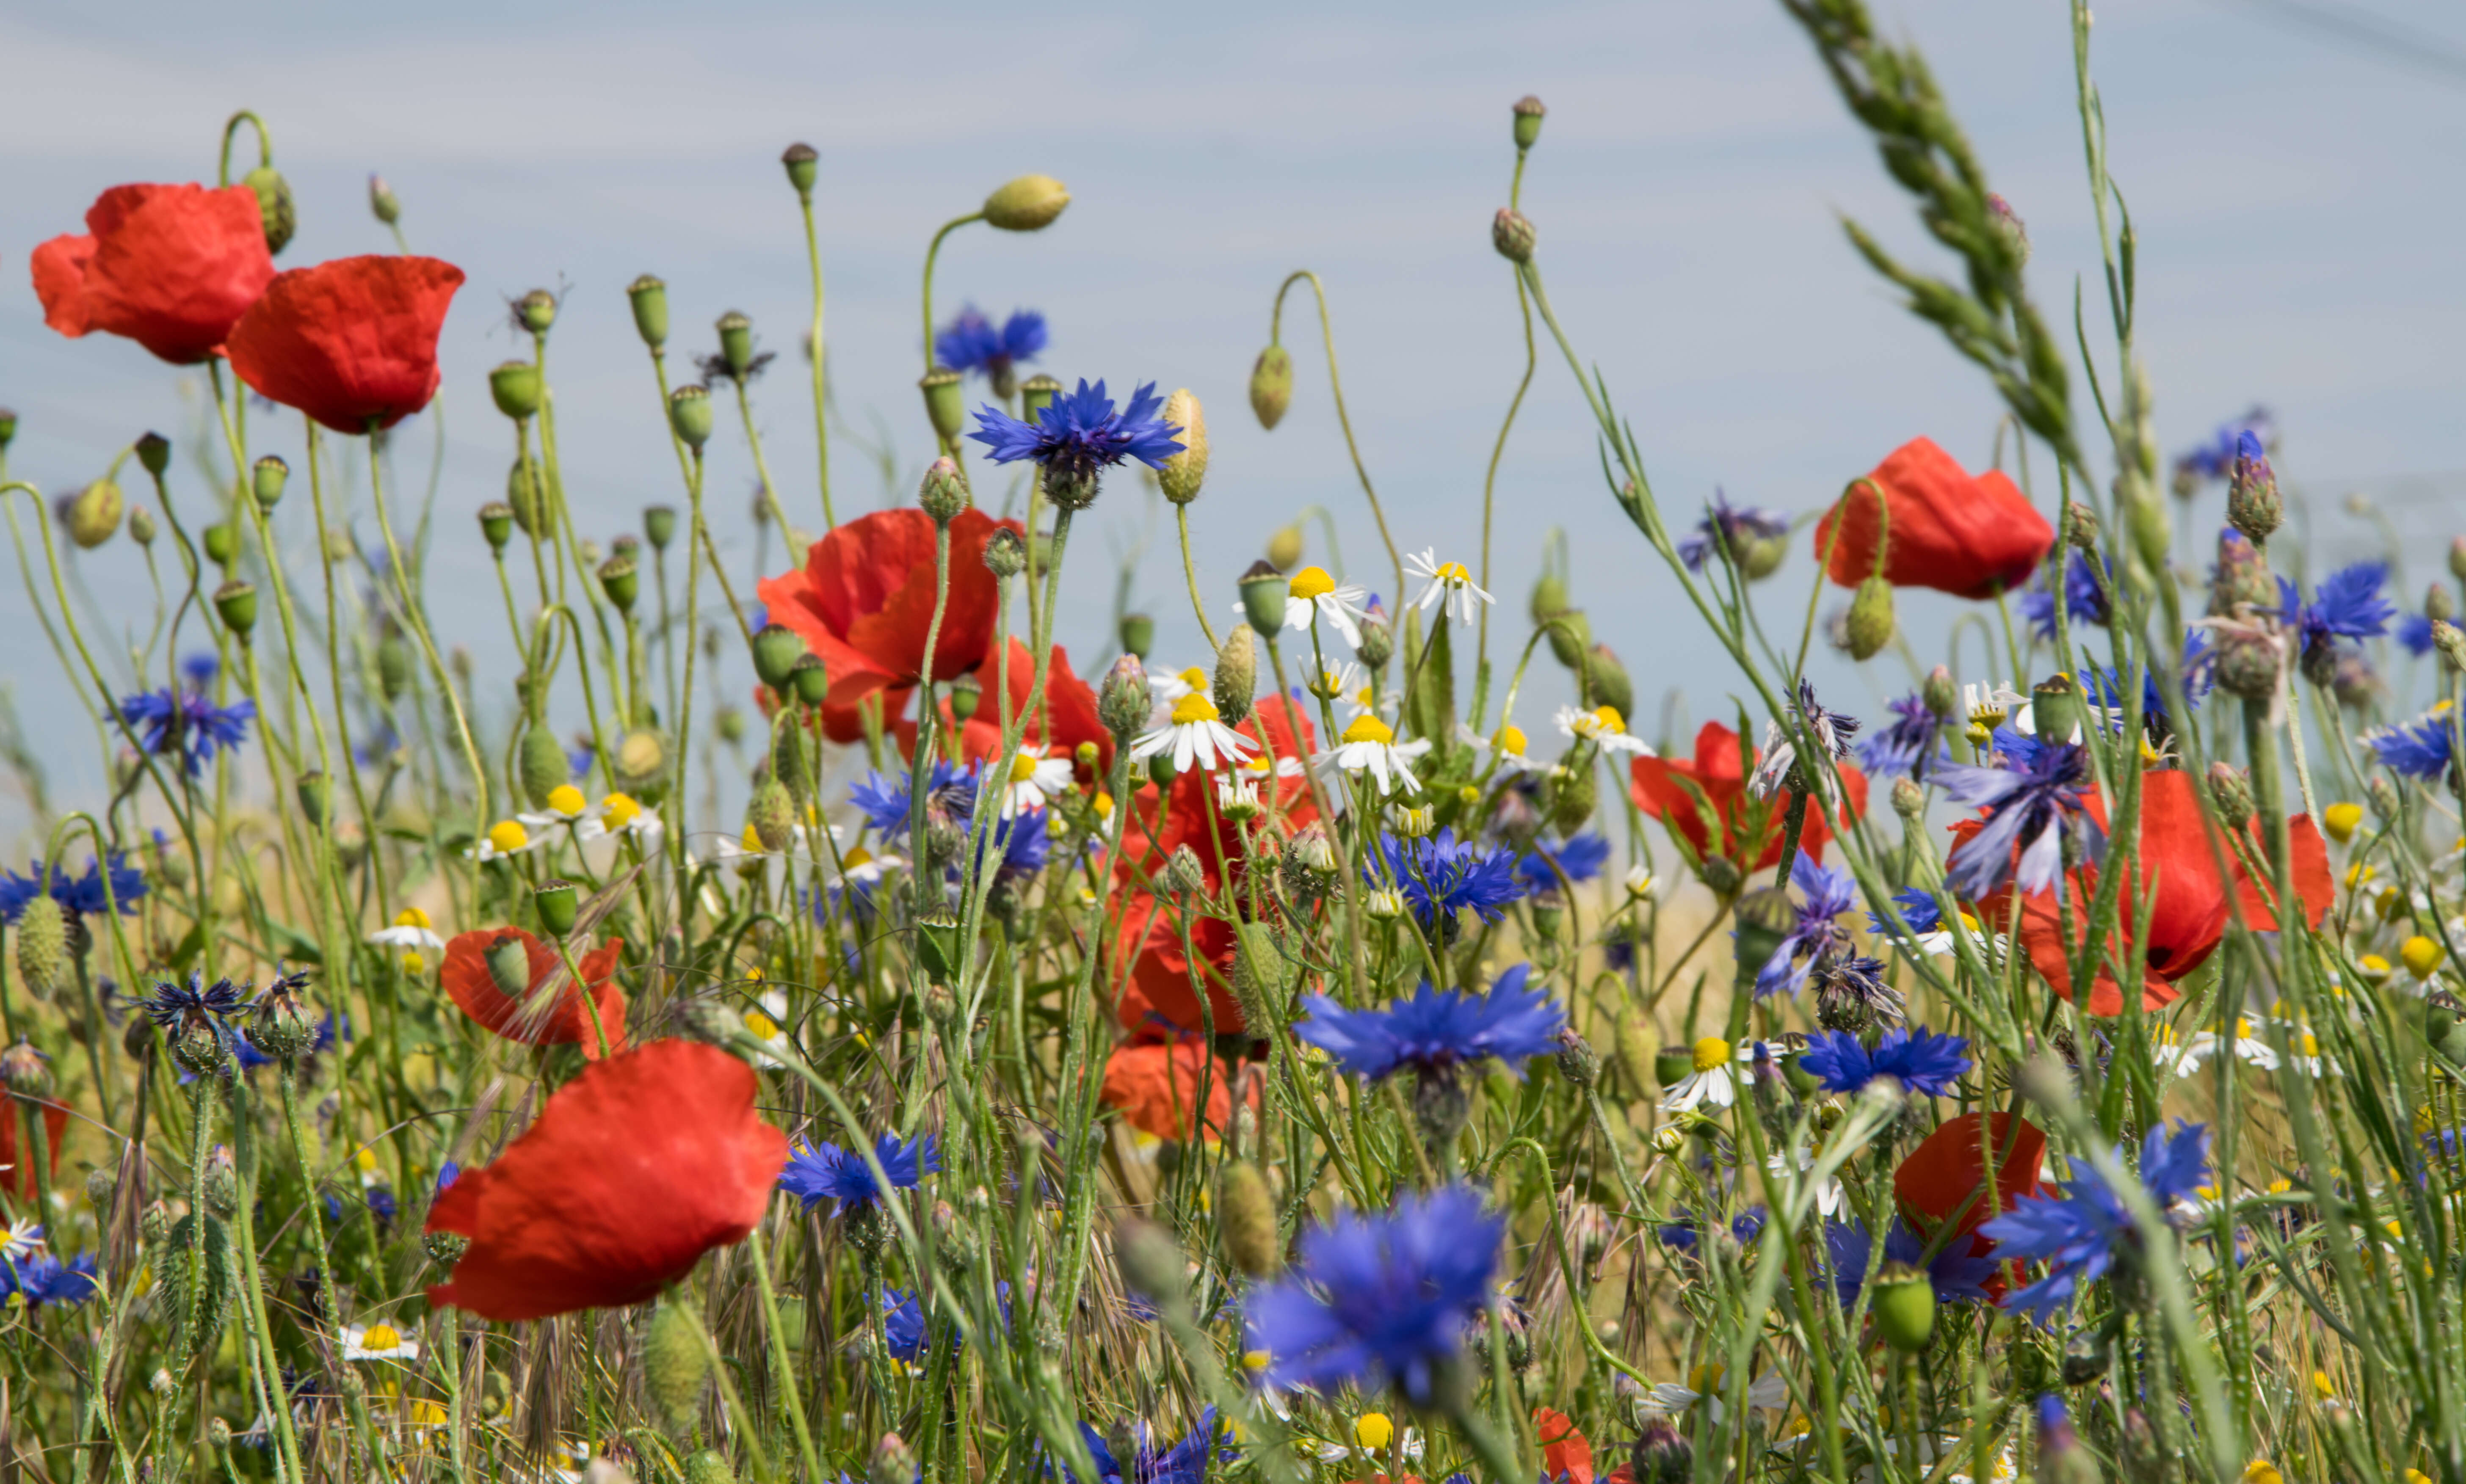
{"x":1237,"y":676}
{"x":775,"y":648}
{"x":1662,"y":1453}
{"x":383,"y":203}
{"x":736,"y":342}
{"x":496,"y":524}
{"x":945,"y":491}
{"x":1183,"y":472}
{"x":1763,"y":556}
{"x":967,"y":693}
{"x":535,"y":311}
{"x":1578,"y":1062}
{"x":1909,"y":801}
{"x":222,"y":543}
{"x":2248,"y":663}
{"x":1006,"y":554}
{"x":1528,"y":112}
{"x":141,"y":524}
{"x":235,"y":601}
{"x":2458,"y":557}
{"x":266,"y":481}
{"x":1264,"y":592}
{"x":544,"y":764}
{"x":690,"y":413}
{"x":787,"y":762}
{"x":1246,"y":1219}
{"x":1138,"y":634}
{"x":1271,"y":386}
{"x":1028,"y":204}
{"x":557,"y":901}
{"x":1766,"y":916}
{"x":1572,"y":801}
{"x":1605,"y":679}
{"x":527,"y":496}
{"x":1285,"y":547}
{"x":1152,"y":1263}
{"x":1549,"y":597}
{"x":93,"y":514}
{"x":674,"y":1364}
{"x":2253,"y":504}
{"x":516,"y":387}
{"x":658,"y":526}
{"x":1511,"y":232}
{"x":1940,"y":695}
{"x":316,"y":794}
{"x":945,"y":408}
{"x":731,"y":724}
{"x":1904,"y":1306}
{"x":1122,"y":702}
{"x":811,"y":681}
{"x":800,"y":161}
{"x":2231,"y":793}
{"x":2451,"y":644}
{"x":621,"y":581}
{"x":2055,"y":709}
{"x":153,"y":453}
{"x":1871,"y":617}
{"x":274,"y":206}
{"x":1570,"y":633}
{"x":1037,"y":394}
{"x":771,"y":815}
{"x":8,"y":427}
{"x":43,"y":946}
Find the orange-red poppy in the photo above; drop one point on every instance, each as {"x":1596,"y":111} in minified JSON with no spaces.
{"x":1726,"y":820}
{"x":352,"y":343}
{"x":1943,"y":1179}
{"x":1155,"y":1084}
{"x":172,"y":268}
{"x":567,"y":1021}
{"x":18,"y":1174}
{"x":1566,"y":1453}
{"x":1972,"y":536}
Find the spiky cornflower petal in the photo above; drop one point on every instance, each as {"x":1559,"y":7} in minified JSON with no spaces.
{"x":827,"y":1172}
{"x":2030,"y":806}
{"x":187,"y":723}
{"x":1727,"y":527}
{"x":1919,"y":1059}
{"x":2419,"y":748}
{"x":1816,"y":933}
{"x":1082,"y":434}
{"x":1579,"y":857}
{"x":1956,"y":1276}
{"x":1434,"y":1031}
{"x":2086,"y":1229}
{"x":1440,"y":875}
{"x":89,"y":895}
{"x":1907,"y":745}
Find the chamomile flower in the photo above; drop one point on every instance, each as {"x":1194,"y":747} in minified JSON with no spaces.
{"x":619,"y":814}
{"x":1165,"y":686}
{"x":1194,"y":732}
{"x":1989,"y":705}
{"x":20,"y":1240}
{"x":379,"y":1342}
{"x":2247,"y":1043}
{"x":1603,"y":727}
{"x":1450,"y":586}
{"x":1827,"y":1192}
{"x":1669,"y":1398}
{"x":566,"y":805}
{"x":1344,"y":682}
{"x":1237,"y":794}
{"x":765,"y":1021}
{"x":1504,"y":748}
{"x":1034,"y":779}
{"x":505,"y":839}
{"x":412,"y":930}
{"x":1712,"y":1081}
{"x":1368,"y":746}
{"x":1313,"y":595}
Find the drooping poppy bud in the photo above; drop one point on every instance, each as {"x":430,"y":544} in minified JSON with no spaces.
{"x":1237,"y":676}
{"x":1030,"y":203}
{"x":1271,"y":386}
{"x":1183,"y":472}
{"x":315,"y":795}
{"x":92,"y":515}
{"x":1870,"y":622}
{"x":1606,"y":680}
{"x":275,"y":210}
{"x":545,"y":767}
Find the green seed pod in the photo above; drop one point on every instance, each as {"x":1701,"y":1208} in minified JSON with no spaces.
{"x":535,"y":311}
{"x":776,"y":649}
{"x":1574,"y":799}
{"x":945,"y":405}
{"x":967,"y":694}
{"x":1237,"y":676}
{"x":1264,"y":590}
{"x":736,"y":342}
{"x":274,"y":206}
{"x":557,"y":901}
{"x":516,"y":387}
{"x":1672,"y":1065}
{"x":1027,"y":204}
{"x":315,"y":795}
{"x":8,"y":427}
{"x":496,"y":524}
{"x":622,"y":584}
{"x":2055,"y":709}
{"x":1183,"y":473}
{"x":1608,"y":683}
{"x":527,"y":497}
{"x":141,"y":524}
{"x":545,"y":767}
{"x":1871,"y":617}
{"x":1904,"y":1306}
{"x":1037,"y":394}
{"x":222,"y":543}
{"x":1570,"y":633}
{"x":509,"y":965}
{"x":649,"y":297}
{"x":1528,"y":112}
{"x":709,"y":1466}
{"x":235,"y":601}
{"x":674,"y":1365}
{"x":772,"y":813}
{"x":1271,"y":386}
{"x":92,"y":515}
{"x":800,"y":160}
{"x":153,"y":453}
{"x":382,"y":204}
{"x":812,"y":681}
{"x":1138,"y":634}
{"x":944,"y":493}
{"x":1511,"y":232}
{"x":394,"y":666}
{"x":690,"y":413}
{"x":43,"y":947}
{"x":267,"y":479}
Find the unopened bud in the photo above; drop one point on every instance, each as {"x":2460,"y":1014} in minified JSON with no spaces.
{"x":2230,"y":795}
{"x":1909,"y":801}
{"x":545,"y":766}
{"x":674,"y":1364}
{"x":1123,"y":701}
{"x":1904,"y":1306}
{"x":383,"y":203}
{"x":2449,"y":641}
{"x":1511,"y":232}
{"x":276,"y":212}
{"x":892,"y":1462}
{"x":1271,"y":386}
{"x":93,"y":514}
{"x":1941,"y":696}
{"x":43,"y":946}
{"x":2080,"y":525}
{"x":1607,"y":682}
{"x":1871,"y":617}
{"x":1152,"y":1263}
{"x":1005,"y":553}
{"x":1246,"y":1219}
{"x":1183,"y":872}
{"x":2253,"y":504}
{"x":945,"y":491}
{"x":141,"y":524}
{"x":1029,"y":203}
{"x":1578,"y":1062}
{"x":1237,"y":676}
{"x":1184,"y":471}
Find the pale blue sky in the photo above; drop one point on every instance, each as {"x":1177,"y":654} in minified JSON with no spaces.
{"x":2295,"y":195}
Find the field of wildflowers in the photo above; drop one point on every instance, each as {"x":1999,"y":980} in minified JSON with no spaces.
{"x":1302,"y":1065}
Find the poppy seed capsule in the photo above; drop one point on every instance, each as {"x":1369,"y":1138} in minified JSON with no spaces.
{"x":535,"y":311}
{"x":1271,"y":386}
{"x":775,"y":648}
{"x":1264,"y":592}
{"x":1904,"y":1306}
{"x":1511,"y":232}
{"x":527,"y":496}
{"x":235,"y":601}
{"x":496,"y":524}
{"x":945,"y":491}
{"x":1183,"y":472}
{"x":557,"y":901}
{"x":267,"y":480}
{"x":1037,"y":394}
{"x":1237,"y":676}
{"x":545,"y":767}
{"x":1029,"y":203}
{"x":658,"y":526}
{"x":93,"y":514}
{"x":674,"y":1365}
{"x":800,"y":160}
{"x":1138,"y":634}
{"x":649,"y":297}
{"x":811,"y":679}
{"x":945,"y":408}
{"x":736,"y":342}
{"x":516,"y":387}
{"x":621,"y":581}
{"x":1607,"y":680}
{"x":153,"y":453}
{"x":690,"y":413}
{"x":43,"y":946}
{"x":967,"y":693}
{"x":141,"y":524}
{"x":1006,"y":554}
{"x":274,"y":207}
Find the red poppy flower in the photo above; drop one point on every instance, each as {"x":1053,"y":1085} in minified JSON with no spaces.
{"x":1069,"y":704}
{"x":352,"y":343}
{"x":1155,"y":1084}
{"x":2187,"y":901}
{"x":1946,"y":1173}
{"x":1151,"y":979}
{"x":1189,"y":813}
{"x":1972,"y":537}
{"x":17,"y":1176}
{"x":634,"y":1170}
{"x":1566,"y":1453}
{"x":1738,"y":824}
{"x":172,"y":268}
{"x":568,"y":1022}
{"x":863,"y":601}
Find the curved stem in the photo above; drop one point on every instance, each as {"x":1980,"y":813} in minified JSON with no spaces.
{"x":1335,"y":381}
{"x":264,"y":151}
{"x":1190,"y":574}
{"x":932,"y":253}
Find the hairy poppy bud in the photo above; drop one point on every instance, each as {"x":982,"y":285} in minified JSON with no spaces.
{"x":1573,"y":801}
{"x":1871,"y":617}
{"x":1285,"y":547}
{"x":1608,"y":681}
{"x":1152,"y":1263}
{"x":93,"y":514}
{"x":1237,"y":676}
{"x":1122,"y":703}
{"x":516,"y":387}
{"x":266,"y":481}
{"x":1138,"y":634}
{"x":545,"y":767}
{"x":945,"y":406}
{"x":275,"y":208}
{"x":1006,"y":554}
{"x":382,"y":204}
{"x":771,"y":815}
{"x":1183,"y":472}
{"x":1570,"y":633}
{"x":43,"y":946}
{"x":775,"y":648}
{"x":1528,"y":112}
{"x":1940,"y":695}
{"x":235,"y":601}
{"x":945,"y":491}
{"x":153,"y":453}
{"x":315,"y":795}
{"x":1549,"y":597}
{"x":1271,"y":386}
{"x":2253,"y":504}
{"x":1511,"y":232}
{"x":1909,"y":801}
{"x":619,"y":580}
{"x":557,"y":901}
{"x":2231,"y":793}
{"x":527,"y":497}
{"x":535,"y":311}
{"x":1246,"y":1219}
{"x":1027,"y":204}
{"x":1377,"y":641}
{"x":690,"y":413}
{"x":788,"y":760}
{"x":800,"y":160}
{"x":674,"y":1365}
{"x":641,"y":764}
{"x":141,"y":524}
{"x":1264,"y":592}
{"x":1037,"y":394}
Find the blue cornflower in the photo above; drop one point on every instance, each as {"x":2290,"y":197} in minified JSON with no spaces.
{"x":2348,"y":604}
{"x":1919,"y":912}
{"x":1905,"y":746}
{"x":1683,"y":1233}
{"x":2085,"y":599}
{"x":579,"y":758}
{"x":2080,"y":1234}
{"x":826,"y":1172}
{"x":882,"y":797}
{"x":1816,"y":935}
{"x":1381,"y":1300}
{"x":447,"y":1174}
{"x":1081,"y":435}
{"x":902,"y":1325}
{"x":2414,"y":634}
{"x":2418,"y":749}
{"x":1440,"y":875}
{"x":1580,"y":857}
{"x":1957,"y":1276}
{"x":382,"y":1203}
{"x":1918,"y":1059}
{"x":44,"y":1279}
{"x":187,"y":723}
{"x":1026,"y":845}
{"x":86,"y":894}
{"x":180,"y":1009}
{"x":2105,"y":689}
{"x":1731,"y":527}
{"x":1435,"y":1030}
{"x":2215,"y":458}
{"x":2030,"y":804}
{"x":1183,"y":1463}
{"x":971,"y":342}
{"x":201,"y":668}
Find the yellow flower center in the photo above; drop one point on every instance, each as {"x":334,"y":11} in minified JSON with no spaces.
{"x":1023,"y":767}
{"x":763,"y":1026}
{"x":1368,"y":728}
{"x":412,"y":917}
{"x":1193,"y":708}
{"x":414,"y":966}
{"x":860,"y":856}
{"x":2340,"y":821}
{"x":380,"y":1337}
{"x":1709,"y":1052}
{"x":1373,"y":1430}
{"x":1255,"y":1360}
{"x":2280,"y":1186}
{"x":1453,"y":575}
{"x":1706,"y":1379}
{"x":2260,"y":1471}
{"x":750,"y":840}
{"x":2421,"y":956}
{"x":2243,"y":1028}
{"x":425,"y":1413}
{"x":2373,"y":965}
{"x":1195,"y":678}
{"x":1103,"y":806}
{"x":1511,"y":740}
{"x":1312,"y":582}
{"x":618,"y":810}
{"x":366,"y":1159}
{"x":566,"y":799}
{"x":508,"y":835}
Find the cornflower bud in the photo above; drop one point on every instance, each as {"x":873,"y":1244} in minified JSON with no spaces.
{"x":1578,"y":1062}
{"x":1183,"y":875}
{"x":1941,"y":696}
{"x":1377,"y":641}
{"x":2449,"y":641}
{"x":1511,"y":232}
{"x":1029,"y":203}
{"x":1909,"y":801}
{"x":1123,"y":701}
{"x":1183,"y":472}
{"x":945,"y":491}
{"x":2243,"y":576}
{"x":141,"y":524}
{"x":1006,"y":554}
{"x":2080,"y":525}
{"x":1271,"y":386}
{"x":1237,"y":676}
{"x":2253,"y":504}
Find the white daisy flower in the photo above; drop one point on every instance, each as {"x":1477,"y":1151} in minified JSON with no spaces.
{"x":411,"y":929}
{"x":1450,"y":586}
{"x":505,"y":839}
{"x":2246,"y":1044}
{"x":1667,"y":1398}
{"x":566,"y":805}
{"x":1034,"y":779}
{"x":21,"y":1240}
{"x":1712,"y":1081}
{"x":1165,"y":686}
{"x":1603,"y":727}
{"x":1827,"y":1192}
{"x":1194,"y":731}
{"x":766,"y":1020}
{"x":1639,"y":881}
{"x":1368,"y":746}
{"x":619,"y":814}
{"x":1342,"y":682}
{"x":379,"y":1342}
{"x":1989,"y":705}
{"x":1313,"y":595}
{"x":1504,"y":746}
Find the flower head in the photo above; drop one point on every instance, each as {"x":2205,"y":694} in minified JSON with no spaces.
{"x":1816,"y":933}
{"x":1602,"y":727}
{"x":1578,"y":857}
{"x":2085,"y":597}
{"x":827,"y":1172}
{"x":1449,"y":586}
{"x":187,"y":723}
{"x":1381,"y":1300}
{"x":1368,"y":745}
{"x":2348,"y":604}
{"x":885,"y":800}
{"x":1194,"y":733}
{"x":1704,"y":800}
{"x":45,"y":1279}
{"x":1312,"y":595}
{"x":971,"y":342}
{"x":91,"y":894}
{"x":2215,"y":458}
{"x":378,"y":1341}
{"x":172,"y":267}
{"x":1969,"y":537}
{"x":1082,"y":434}
{"x":2086,"y":1229}
{"x":1437,"y":1030}
{"x":2031,"y":806}
{"x":1441,"y":875}
{"x":1730,"y":529}
{"x":2419,"y":748}
{"x":1907,"y":747}
{"x":1831,"y":733}
{"x":1918,"y":1059}
{"x":351,"y":342}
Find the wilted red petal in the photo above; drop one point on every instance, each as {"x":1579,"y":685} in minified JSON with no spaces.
{"x":567,"y":1023}
{"x":1566,"y":1453}
{"x":1157,"y":1088}
{"x":352,"y":343}
{"x":635,"y":1169}
{"x":1968,"y":536}
{"x":172,"y":267}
